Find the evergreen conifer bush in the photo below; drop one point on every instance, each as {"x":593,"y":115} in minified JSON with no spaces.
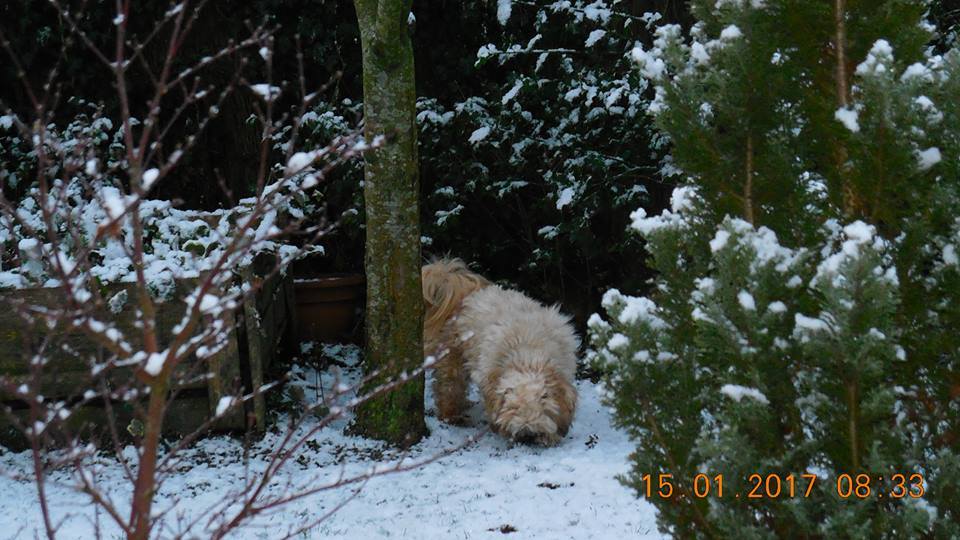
{"x":804,"y":318}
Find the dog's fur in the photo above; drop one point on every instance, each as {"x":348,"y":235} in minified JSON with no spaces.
{"x":521,"y":354}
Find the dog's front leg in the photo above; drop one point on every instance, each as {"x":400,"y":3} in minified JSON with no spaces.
{"x":492,"y":399}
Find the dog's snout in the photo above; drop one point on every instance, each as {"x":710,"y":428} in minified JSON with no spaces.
{"x":525,"y":436}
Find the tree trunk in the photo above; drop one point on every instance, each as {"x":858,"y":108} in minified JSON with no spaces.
{"x":391,"y":191}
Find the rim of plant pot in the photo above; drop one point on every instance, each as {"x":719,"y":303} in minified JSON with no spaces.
{"x":331,"y":280}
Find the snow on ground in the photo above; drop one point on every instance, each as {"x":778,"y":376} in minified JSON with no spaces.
{"x":491,"y":489}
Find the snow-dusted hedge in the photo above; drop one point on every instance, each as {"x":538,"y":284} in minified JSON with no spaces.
{"x":547,"y":151}
{"x":559,"y":150}
{"x":178,"y":243}
{"x":740,"y":363}
{"x":804,"y":316}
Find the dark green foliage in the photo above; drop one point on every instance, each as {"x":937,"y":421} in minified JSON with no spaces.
{"x":493,"y":202}
{"x":534,"y":172}
{"x":804,"y":315}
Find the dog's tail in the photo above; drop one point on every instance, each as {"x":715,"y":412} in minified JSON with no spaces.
{"x":446,"y":282}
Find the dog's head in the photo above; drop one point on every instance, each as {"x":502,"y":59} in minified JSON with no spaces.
{"x":534,"y":406}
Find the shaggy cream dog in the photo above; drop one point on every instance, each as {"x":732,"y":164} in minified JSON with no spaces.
{"x":520,"y":353}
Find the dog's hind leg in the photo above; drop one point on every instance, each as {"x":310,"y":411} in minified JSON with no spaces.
{"x":450,"y":385}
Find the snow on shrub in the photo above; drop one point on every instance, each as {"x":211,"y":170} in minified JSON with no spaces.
{"x":804,"y":311}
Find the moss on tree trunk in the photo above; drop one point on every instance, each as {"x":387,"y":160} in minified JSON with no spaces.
{"x":391,"y":191}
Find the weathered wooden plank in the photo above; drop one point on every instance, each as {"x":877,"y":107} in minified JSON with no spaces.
{"x":70,"y":353}
{"x":263,"y":321}
{"x":255,"y":351}
{"x":68,"y":384}
{"x":227,"y":381}
{"x":19,"y":334}
{"x":184,"y":416}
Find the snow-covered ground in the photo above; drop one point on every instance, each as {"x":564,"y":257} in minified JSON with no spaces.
{"x":490,"y":489}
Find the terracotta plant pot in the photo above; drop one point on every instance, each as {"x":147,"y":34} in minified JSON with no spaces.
{"x":327,"y":306}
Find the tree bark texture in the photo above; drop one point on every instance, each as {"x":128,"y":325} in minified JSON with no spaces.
{"x":394,"y":315}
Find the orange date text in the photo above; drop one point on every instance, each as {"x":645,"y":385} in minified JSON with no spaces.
{"x":773,"y":485}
